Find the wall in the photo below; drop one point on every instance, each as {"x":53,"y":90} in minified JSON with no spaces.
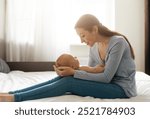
{"x":75,"y":50}
{"x":2,"y":8}
{"x":129,"y":17}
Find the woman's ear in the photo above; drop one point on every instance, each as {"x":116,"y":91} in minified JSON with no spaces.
{"x":95,"y":29}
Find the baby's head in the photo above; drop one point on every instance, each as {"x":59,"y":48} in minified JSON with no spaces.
{"x":67,"y":60}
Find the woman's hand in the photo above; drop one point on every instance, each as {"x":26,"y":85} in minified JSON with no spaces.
{"x":64,"y":71}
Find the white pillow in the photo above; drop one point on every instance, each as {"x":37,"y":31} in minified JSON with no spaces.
{"x":4,"y":66}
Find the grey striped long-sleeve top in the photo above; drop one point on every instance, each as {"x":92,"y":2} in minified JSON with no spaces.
{"x":119,"y":66}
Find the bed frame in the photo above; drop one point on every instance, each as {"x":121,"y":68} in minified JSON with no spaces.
{"x":31,"y":66}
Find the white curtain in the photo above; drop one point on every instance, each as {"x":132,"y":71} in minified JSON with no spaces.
{"x":40,"y":30}
{"x":2,"y":22}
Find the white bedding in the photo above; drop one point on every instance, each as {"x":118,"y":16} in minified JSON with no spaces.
{"x":19,"y":79}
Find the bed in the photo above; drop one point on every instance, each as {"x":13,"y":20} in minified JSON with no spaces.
{"x":24,"y":74}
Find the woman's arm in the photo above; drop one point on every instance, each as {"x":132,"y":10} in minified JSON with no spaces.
{"x":96,"y":69}
{"x":111,"y":65}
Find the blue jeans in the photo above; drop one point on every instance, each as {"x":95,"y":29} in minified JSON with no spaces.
{"x":61,"y":85}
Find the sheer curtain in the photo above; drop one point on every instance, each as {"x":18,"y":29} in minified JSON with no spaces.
{"x":40,"y":30}
{"x":2,"y":22}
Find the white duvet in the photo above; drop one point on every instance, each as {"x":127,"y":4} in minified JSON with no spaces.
{"x":19,"y":79}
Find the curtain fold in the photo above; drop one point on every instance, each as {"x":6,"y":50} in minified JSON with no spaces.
{"x":2,"y":29}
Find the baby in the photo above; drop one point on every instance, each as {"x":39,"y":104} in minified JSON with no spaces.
{"x":70,"y":61}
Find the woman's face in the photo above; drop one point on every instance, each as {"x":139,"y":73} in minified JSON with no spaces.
{"x":87,"y":37}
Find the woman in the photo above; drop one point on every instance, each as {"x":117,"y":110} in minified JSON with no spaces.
{"x":107,"y":48}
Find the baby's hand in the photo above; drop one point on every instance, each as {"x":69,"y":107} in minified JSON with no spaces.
{"x":64,"y":71}
{"x":57,"y":70}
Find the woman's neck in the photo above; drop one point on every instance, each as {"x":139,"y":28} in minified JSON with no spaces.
{"x":104,"y":40}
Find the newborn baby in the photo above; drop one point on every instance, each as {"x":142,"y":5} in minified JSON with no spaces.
{"x":67,"y":60}
{"x":70,"y":61}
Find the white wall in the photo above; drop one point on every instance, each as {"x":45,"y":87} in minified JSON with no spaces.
{"x":129,"y":17}
{"x":81,"y":52}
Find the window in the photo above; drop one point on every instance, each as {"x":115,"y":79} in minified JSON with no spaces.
{"x":48,"y":25}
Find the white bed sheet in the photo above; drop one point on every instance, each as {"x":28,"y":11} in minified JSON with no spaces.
{"x":19,"y":79}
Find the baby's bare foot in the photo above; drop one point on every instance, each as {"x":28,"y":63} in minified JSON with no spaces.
{"x":6,"y":97}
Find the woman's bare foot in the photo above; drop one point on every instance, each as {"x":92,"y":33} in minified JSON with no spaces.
{"x":6,"y":97}
{"x":3,"y":93}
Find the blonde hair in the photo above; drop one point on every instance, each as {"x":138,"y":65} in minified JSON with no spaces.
{"x":87,"y":22}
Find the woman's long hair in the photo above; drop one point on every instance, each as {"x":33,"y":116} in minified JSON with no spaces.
{"x":87,"y":22}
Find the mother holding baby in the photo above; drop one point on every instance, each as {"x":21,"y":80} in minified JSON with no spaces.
{"x":107,"y":48}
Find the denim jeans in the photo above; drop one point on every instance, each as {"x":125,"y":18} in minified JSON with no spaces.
{"x":61,"y":85}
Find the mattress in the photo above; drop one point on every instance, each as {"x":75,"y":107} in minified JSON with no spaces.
{"x":18,"y":79}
